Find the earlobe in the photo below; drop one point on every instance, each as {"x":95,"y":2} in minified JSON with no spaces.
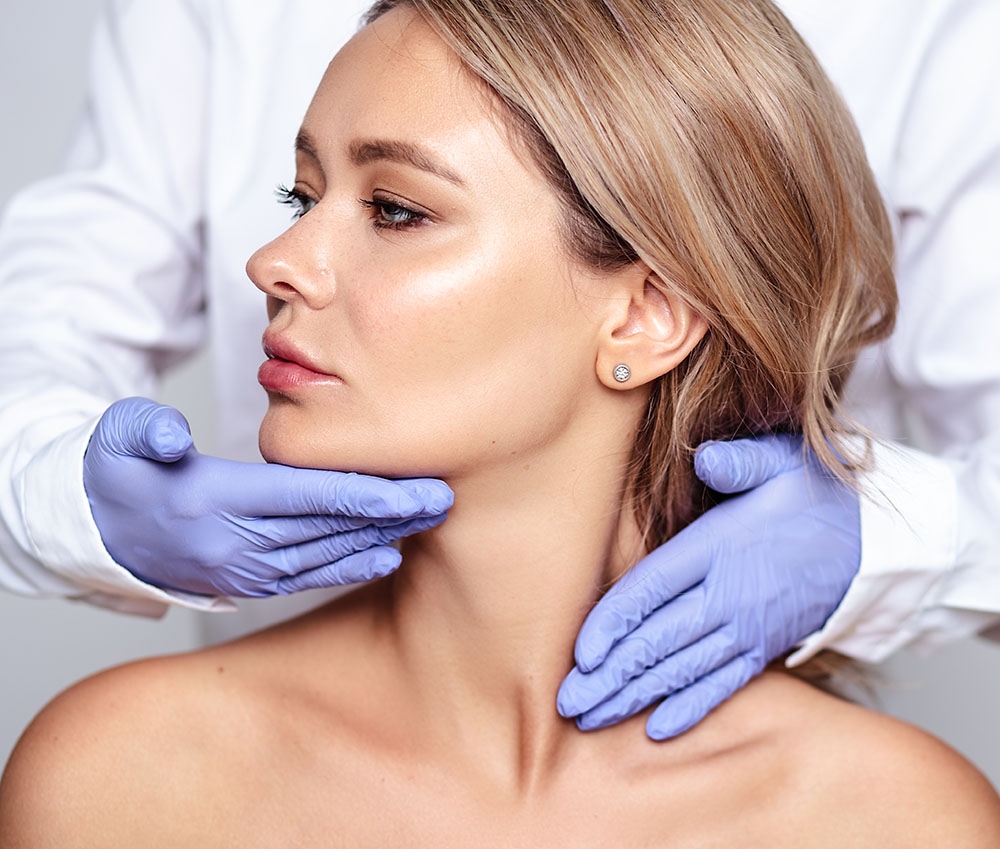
{"x":655,"y":333}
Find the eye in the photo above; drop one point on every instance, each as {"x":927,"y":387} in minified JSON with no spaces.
{"x":299,"y":202}
{"x":391,"y":215}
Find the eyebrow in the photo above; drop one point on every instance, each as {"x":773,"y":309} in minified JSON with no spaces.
{"x":363,"y":151}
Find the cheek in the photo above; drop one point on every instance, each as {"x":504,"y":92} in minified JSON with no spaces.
{"x":456,"y":362}
{"x":473,"y":360}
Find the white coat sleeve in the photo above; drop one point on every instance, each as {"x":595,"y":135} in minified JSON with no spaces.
{"x":100,"y":289}
{"x":930,"y":521}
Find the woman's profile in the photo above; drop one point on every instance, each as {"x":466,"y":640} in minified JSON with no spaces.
{"x":542,"y":250}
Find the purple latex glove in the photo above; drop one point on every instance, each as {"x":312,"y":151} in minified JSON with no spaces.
{"x":700,"y":616}
{"x":181,"y":520}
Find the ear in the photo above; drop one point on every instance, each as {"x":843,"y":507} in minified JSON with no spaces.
{"x":651,"y":332}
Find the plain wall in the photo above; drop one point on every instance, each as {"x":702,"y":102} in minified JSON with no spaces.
{"x":47,"y":645}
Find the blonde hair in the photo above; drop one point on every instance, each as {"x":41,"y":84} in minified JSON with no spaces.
{"x":702,"y":138}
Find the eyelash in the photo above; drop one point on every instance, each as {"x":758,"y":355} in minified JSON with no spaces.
{"x":300,"y":206}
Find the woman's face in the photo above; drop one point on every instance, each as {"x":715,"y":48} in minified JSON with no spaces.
{"x":449,"y":330}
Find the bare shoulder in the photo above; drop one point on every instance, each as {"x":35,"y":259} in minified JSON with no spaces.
{"x":103,"y":763}
{"x":166,"y":751}
{"x":866,"y":779}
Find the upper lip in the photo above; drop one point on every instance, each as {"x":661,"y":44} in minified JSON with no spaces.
{"x":278,"y":347}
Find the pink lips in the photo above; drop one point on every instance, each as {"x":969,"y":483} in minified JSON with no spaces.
{"x":287,"y":368}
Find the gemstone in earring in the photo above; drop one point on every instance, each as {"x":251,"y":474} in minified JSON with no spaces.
{"x":622,"y":372}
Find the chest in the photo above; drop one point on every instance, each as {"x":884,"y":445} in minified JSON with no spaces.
{"x":361,"y":806}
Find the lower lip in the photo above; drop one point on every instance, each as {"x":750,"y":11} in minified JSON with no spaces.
{"x":282,"y":375}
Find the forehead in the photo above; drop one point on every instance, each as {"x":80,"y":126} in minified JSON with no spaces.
{"x":396,"y":79}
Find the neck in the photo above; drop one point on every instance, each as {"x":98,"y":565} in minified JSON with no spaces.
{"x":485,"y":609}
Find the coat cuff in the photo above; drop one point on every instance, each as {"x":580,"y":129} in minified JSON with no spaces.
{"x":908,"y":549}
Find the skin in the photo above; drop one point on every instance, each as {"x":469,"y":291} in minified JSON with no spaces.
{"x":420,"y":710}
{"x":493,"y":331}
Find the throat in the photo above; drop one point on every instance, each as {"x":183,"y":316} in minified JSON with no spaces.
{"x":484,"y":613}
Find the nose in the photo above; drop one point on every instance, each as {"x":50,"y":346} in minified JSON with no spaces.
{"x":294,"y":267}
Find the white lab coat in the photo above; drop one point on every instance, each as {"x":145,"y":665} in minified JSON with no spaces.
{"x":133,"y":257}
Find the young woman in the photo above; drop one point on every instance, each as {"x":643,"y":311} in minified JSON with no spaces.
{"x":542,"y":250}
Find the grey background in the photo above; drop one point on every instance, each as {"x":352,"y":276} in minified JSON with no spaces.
{"x":47,"y":645}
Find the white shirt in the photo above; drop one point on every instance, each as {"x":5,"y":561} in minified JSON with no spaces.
{"x":133,"y":257}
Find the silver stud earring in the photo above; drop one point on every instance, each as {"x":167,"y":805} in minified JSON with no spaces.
{"x":622,"y":372}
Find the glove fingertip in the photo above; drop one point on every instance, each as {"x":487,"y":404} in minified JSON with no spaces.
{"x":385,"y":564}
{"x":587,"y":723}
{"x":435,"y":495}
{"x":661,"y":730}
{"x":674,"y":715}
{"x":743,"y":464}
{"x":357,"y":568}
{"x":372,"y":564}
{"x":564,"y":706}
{"x":167,"y":435}
{"x":588,"y":656}
{"x":567,"y":703}
{"x":421,"y":524}
{"x":714,"y":466}
{"x":602,"y":628}
{"x":171,"y":444}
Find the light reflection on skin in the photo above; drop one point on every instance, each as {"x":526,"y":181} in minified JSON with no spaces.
{"x":460,"y":337}
{"x":470,"y":348}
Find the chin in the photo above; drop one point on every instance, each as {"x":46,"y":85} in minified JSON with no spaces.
{"x":285,"y":439}
{"x":293,"y":444}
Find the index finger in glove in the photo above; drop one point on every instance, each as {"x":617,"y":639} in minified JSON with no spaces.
{"x":676,"y":625}
{"x":275,"y":490}
{"x":676,"y":566}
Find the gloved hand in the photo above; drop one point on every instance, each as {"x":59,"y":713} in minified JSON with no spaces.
{"x":697,"y":618}
{"x":181,"y":520}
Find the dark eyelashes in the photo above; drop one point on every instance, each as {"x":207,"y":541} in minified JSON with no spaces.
{"x":301,"y":204}
{"x":382,"y":207}
{"x":292,"y":198}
